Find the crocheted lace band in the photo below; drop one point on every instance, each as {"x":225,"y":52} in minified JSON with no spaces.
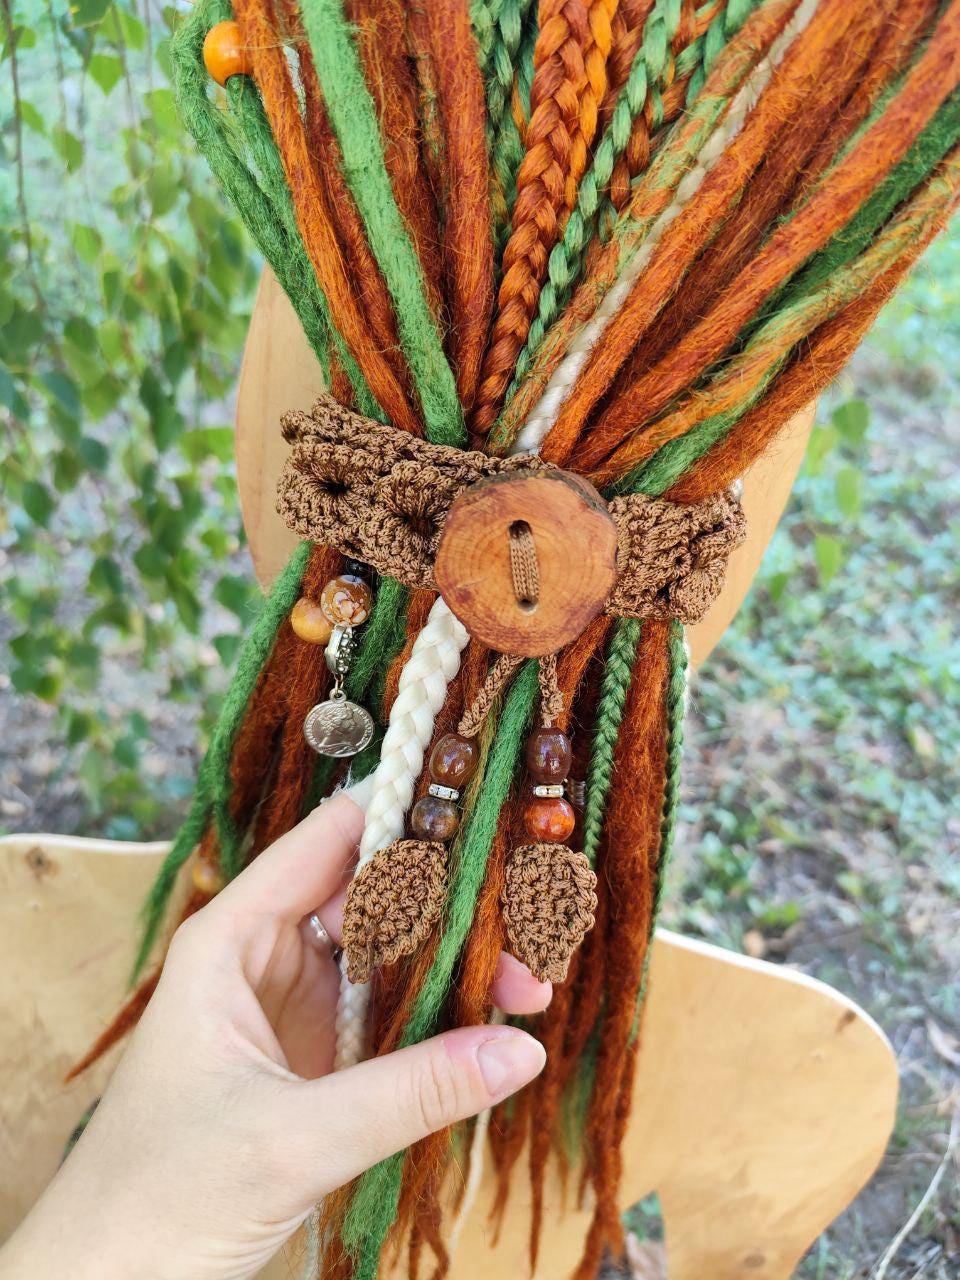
{"x":381,"y":496}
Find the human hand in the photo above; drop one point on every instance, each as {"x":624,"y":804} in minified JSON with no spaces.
{"x":221,"y":1127}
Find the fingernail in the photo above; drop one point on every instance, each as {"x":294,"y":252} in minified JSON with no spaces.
{"x":508,"y":1061}
{"x":507,"y":964}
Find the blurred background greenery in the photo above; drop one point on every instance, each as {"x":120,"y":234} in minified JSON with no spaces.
{"x":820,"y":820}
{"x":125,"y":287}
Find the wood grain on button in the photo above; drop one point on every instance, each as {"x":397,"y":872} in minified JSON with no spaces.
{"x":563,"y":519}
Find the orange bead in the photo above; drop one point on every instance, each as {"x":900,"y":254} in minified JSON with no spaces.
{"x":309,"y":622}
{"x":549,"y":818}
{"x":224,"y":53}
{"x":207,"y":878}
{"x":346,"y":600}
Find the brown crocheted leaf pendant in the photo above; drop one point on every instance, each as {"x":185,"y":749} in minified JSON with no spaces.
{"x":392,"y":904}
{"x":549,"y":899}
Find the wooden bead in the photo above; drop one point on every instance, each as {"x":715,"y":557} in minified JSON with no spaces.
{"x":435,"y":819}
{"x":549,"y":818}
{"x":549,"y":755}
{"x":575,"y":545}
{"x":453,"y":761}
{"x":346,"y":600}
{"x":224,"y":53}
{"x":309,"y":622}
{"x":207,"y":878}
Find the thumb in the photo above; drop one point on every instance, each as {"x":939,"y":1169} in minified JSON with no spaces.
{"x":346,"y":1122}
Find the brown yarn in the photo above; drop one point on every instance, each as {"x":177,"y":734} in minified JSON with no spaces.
{"x":383,"y":496}
{"x":554,"y":143}
{"x":377,"y":494}
{"x":630,"y":855}
{"x":551,"y":697}
{"x":767,"y":193}
{"x":307,"y":680}
{"x":839,"y":195}
{"x":315,"y":217}
{"x":549,"y":899}
{"x":650,"y":122}
{"x":346,"y":223}
{"x":124,"y":1021}
{"x":464,"y":176}
{"x":626,"y":30}
{"x":498,"y":677}
{"x":381,"y":33}
{"x":392,"y":904}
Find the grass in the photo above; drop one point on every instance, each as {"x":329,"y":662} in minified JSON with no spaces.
{"x":820,"y":818}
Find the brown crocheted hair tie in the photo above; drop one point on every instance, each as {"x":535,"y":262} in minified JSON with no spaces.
{"x":382,"y":496}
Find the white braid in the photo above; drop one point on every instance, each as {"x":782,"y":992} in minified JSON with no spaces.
{"x":544,"y":413}
{"x":478,"y":1147}
{"x":434,"y":661}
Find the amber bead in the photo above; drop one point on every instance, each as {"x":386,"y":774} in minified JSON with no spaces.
{"x":207,"y":878}
{"x":435,"y":819}
{"x":549,"y":818}
{"x":346,"y":600}
{"x":224,"y":53}
{"x":309,"y":622}
{"x":549,"y":755}
{"x":453,"y":761}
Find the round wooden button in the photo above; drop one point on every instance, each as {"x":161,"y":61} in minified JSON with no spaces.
{"x":526,"y":561}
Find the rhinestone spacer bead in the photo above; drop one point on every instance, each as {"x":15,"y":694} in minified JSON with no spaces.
{"x":442,"y":792}
{"x":548,"y":789}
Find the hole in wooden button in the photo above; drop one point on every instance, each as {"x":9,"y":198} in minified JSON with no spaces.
{"x":527,"y":560}
{"x":523,"y":566}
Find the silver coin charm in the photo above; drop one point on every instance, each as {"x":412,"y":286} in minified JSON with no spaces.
{"x":338,"y":727}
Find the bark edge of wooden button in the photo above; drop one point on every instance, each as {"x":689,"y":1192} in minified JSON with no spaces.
{"x":576,"y":544}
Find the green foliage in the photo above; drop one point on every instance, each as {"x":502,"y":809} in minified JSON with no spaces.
{"x":125,"y":286}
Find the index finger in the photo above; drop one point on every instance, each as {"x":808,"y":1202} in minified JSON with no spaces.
{"x":304,"y":867}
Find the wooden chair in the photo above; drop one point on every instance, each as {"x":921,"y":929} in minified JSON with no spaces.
{"x":763,"y":1101}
